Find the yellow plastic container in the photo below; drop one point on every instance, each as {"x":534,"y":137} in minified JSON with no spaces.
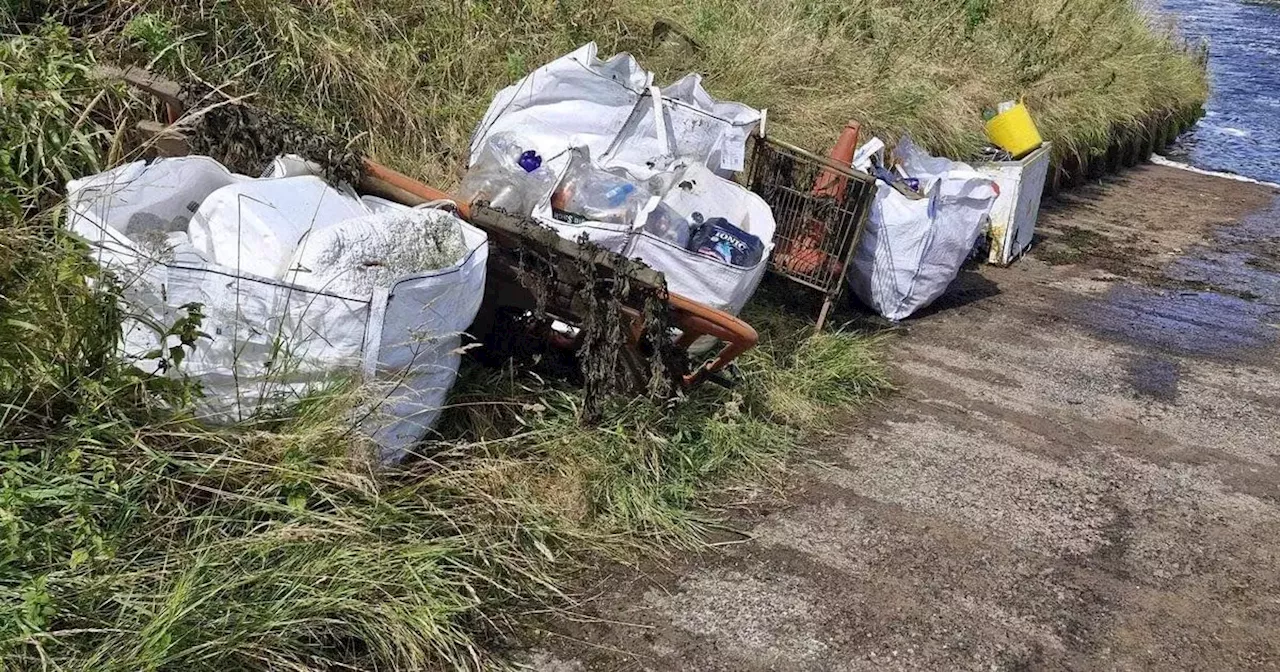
{"x":1014,"y":131}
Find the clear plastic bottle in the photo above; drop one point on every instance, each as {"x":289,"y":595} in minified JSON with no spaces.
{"x":507,"y":176}
{"x":667,"y":224}
{"x":589,"y":193}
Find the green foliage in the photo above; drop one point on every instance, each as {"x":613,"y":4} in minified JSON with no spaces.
{"x":44,"y":139}
{"x":153,"y":34}
{"x":975,"y":12}
{"x":163,"y":546}
{"x":1085,"y":67}
{"x":185,"y":332}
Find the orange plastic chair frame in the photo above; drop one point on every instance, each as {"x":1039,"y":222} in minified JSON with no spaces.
{"x":694,"y":319}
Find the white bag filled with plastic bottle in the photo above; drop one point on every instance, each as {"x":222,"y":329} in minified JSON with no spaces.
{"x":611,"y":107}
{"x":700,"y":194}
{"x":911,"y":250}
{"x":610,"y":112}
{"x":301,"y":285}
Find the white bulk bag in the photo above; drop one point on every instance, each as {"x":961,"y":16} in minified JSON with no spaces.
{"x":273,"y":339}
{"x":718,"y":284}
{"x":271,"y":216}
{"x":611,"y":110}
{"x":911,"y":250}
{"x":576,"y":100}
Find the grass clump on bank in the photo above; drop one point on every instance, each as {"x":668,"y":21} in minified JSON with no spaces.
{"x":414,"y":77}
{"x":644,"y":468}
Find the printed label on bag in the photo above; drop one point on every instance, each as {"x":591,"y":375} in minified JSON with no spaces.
{"x":733,"y":149}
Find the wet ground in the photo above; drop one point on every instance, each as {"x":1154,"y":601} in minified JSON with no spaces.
{"x":1081,"y":470}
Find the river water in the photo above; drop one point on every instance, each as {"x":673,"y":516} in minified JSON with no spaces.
{"x":1241,"y":131}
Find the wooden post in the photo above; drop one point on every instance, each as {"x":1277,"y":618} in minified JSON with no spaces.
{"x":827,"y":302}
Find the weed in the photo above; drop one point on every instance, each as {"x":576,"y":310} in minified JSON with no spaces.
{"x":975,"y":12}
{"x":152,"y":33}
{"x":44,"y":137}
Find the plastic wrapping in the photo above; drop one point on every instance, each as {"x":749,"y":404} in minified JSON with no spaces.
{"x":719,"y":239}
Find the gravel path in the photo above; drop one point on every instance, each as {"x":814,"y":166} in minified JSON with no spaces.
{"x":1081,"y":470}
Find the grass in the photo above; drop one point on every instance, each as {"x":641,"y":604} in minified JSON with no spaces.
{"x":132,"y":538}
{"x":410,"y":79}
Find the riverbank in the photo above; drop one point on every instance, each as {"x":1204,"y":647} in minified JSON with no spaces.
{"x":1079,"y":471}
{"x":409,"y":80}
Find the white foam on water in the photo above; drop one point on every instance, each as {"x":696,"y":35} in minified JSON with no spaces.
{"x":1169,"y":163}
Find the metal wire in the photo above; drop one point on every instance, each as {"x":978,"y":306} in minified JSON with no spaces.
{"x":820,"y":208}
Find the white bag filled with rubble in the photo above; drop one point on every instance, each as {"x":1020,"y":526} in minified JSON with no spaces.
{"x":301,"y":285}
{"x":611,"y":112}
{"x":911,"y":250}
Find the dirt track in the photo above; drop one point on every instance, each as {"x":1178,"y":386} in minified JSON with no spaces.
{"x":1080,"y":470}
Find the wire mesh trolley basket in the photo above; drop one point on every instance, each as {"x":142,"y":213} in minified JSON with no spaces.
{"x":821,"y":209}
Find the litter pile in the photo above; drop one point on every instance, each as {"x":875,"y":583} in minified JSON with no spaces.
{"x":592,"y":148}
{"x":587,"y":178}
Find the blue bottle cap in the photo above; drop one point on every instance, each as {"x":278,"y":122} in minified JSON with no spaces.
{"x":529,"y":161}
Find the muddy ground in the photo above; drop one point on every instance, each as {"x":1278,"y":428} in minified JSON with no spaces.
{"x":1080,"y":470}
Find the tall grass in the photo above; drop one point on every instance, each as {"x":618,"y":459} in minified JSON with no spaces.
{"x":416,"y":76}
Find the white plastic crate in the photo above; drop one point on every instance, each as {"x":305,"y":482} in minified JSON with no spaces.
{"x":1013,"y":216}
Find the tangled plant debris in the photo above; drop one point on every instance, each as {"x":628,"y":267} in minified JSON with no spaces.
{"x":247,"y":139}
{"x":604,"y":299}
{"x":608,"y":365}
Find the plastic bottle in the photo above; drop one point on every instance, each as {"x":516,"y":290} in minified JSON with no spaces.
{"x":588,"y":193}
{"x":508,"y":176}
{"x":667,"y":224}
{"x":617,"y":195}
